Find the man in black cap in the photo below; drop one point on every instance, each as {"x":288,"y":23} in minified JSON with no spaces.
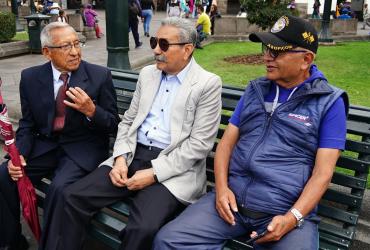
{"x":277,"y":155}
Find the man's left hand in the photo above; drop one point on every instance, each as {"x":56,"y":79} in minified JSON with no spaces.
{"x":278,"y":227}
{"x":141,"y":179}
{"x":81,"y":101}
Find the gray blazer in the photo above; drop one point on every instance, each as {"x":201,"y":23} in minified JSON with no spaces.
{"x":195,"y":117}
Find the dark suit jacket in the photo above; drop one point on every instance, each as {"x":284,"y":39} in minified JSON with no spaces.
{"x":85,"y":142}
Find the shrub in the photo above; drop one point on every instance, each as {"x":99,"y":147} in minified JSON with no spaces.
{"x":265,"y":13}
{"x":7,"y":26}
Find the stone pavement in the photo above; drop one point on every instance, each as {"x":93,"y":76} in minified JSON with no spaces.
{"x":95,"y":52}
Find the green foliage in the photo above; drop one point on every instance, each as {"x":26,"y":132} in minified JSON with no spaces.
{"x":7,"y":26}
{"x":265,"y":13}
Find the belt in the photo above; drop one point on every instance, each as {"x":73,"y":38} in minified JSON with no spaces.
{"x":251,"y":214}
{"x":150,"y":148}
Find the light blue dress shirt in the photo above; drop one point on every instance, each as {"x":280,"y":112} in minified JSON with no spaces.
{"x":155,"y":130}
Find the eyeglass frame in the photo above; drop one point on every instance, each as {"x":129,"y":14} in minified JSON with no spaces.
{"x":158,"y":43}
{"x":275,"y":53}
{"x":68,"y":47}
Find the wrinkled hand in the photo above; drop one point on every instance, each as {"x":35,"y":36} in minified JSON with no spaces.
{"x":118,"y":174}
{"x":141,"y":179}
{"x":226,"y":204}
{"x":81,"y":101}
{"x":15,"y":172}
{"x":278,"y":227}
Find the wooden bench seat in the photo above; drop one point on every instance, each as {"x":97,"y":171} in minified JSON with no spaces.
{"x":339,"y":208}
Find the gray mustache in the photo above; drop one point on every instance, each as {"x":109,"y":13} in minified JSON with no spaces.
{"x":160,"y":58}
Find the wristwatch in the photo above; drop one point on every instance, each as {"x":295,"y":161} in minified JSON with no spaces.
{"x":298,"y":216}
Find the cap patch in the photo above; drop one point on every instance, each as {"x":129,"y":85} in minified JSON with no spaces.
{"x":308,"y":37}
{"x":280,"y":24}
{"x":279,"y":48}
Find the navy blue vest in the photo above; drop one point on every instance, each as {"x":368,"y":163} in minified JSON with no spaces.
{"x":275,"y":154}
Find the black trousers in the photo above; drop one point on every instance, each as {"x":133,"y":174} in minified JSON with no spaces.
{"x":63,"y":171}
{"x":150,"y":209}
{"x":133,"y":24}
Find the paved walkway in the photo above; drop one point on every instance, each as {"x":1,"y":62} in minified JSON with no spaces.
{"x":95,"y":52}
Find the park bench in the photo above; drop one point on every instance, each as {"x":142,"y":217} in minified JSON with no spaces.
{"x":339,"y":208}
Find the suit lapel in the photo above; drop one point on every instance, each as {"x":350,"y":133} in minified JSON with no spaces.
{"x":79,"y":78}
{"x":148,"y":92}
{"x":46,"y":90}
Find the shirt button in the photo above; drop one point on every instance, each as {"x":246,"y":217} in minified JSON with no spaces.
{"x":161,"y":110}
{"x":167,"y":90}
{"x":150,"y":142}
{"x":155,"y":128}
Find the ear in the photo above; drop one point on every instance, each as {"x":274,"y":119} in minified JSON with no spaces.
{"x":308,"y":60}
{"x":189,"y":48}
{"x":46,"y":52}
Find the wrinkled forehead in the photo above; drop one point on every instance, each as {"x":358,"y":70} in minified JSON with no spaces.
{"x":168,"y":32}
{"x":63,"y":35}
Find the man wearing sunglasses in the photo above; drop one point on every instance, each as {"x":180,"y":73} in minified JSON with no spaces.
{"x":159,"y":157}
{"x":277,"y":155}
{"x":68,"y":111}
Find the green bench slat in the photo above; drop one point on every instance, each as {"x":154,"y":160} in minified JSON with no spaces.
{"x":335,"y":242}
{"x":353,"y":164}
{"x":357,"y":146}
{"x":103,"y":236}
{"x":120,"y":207}
{"x":342,"y":198}
{"x":336,"y":231}
{"x":358,"y":128}
{"x":225,"y":119}
{"x":349,"y":181}
{"x":337,"y":214}
{"x":359,"y":114}
{"x":108,"y":221}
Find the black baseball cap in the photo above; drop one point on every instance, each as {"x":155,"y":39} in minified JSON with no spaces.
{"x":287,"y":33}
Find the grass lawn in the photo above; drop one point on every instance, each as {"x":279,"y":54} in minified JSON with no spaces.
{"x":21,"y":36}
{"x":346,"y":66}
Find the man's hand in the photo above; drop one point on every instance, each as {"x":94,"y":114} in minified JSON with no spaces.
{"x":226,"y":204}
{"x":15,"y":172}
{"x":141,"y":179}
{"x":81,"y":101}
{"x":118,"y":174}
{"x":278,"y":227}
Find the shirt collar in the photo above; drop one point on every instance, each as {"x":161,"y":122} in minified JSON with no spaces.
{"x":57,"y":73}
{"x":182,"y":74}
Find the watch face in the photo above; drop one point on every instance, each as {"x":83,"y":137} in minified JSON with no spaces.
{"x":300,"y":222}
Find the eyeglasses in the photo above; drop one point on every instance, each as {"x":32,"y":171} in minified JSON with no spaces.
{"x":163,"y":43}
{"x":68,"y":47}
{"x":275,"y":53}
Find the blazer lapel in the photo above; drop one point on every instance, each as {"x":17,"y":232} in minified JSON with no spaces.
{"x":79,"y":77}
{"x":148,"y":93}
{"x":46,"y":90}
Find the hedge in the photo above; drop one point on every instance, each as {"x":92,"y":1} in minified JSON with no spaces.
{"x":7,"y":26}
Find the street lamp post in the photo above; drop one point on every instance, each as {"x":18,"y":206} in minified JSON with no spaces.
{"x":325,"y":35}
{"x":117,"y":33}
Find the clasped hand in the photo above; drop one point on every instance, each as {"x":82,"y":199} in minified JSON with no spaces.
{"x":140,"y":180}
{"x":80,"y":101}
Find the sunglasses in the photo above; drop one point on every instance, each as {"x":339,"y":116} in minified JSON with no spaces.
{"x":163,"y":43}
{"x":275,"y":53}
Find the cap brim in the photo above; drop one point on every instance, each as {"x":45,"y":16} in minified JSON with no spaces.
{"x":268,"y":38}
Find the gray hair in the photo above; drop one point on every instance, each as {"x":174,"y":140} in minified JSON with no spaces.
{"x":187,"y":31}
{"x":46,"y":33}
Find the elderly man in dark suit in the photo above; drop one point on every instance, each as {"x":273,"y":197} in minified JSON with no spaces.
{"x":68,"y":111}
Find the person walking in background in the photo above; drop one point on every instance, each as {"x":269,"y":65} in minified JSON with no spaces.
{"x":62,"y":17}
{"x":174,"y":9}
{"x":203,"y":26}
{"x":91,"y":18}
{"x":134,"y":11}
{"x":213,"y":14}
{"x":366,"y":17}
{"x":316,"y":10}
{"x":147,"y":10}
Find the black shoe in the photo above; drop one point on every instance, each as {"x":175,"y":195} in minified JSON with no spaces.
{"x":146,"y":34}
{"x":139,"y":45}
